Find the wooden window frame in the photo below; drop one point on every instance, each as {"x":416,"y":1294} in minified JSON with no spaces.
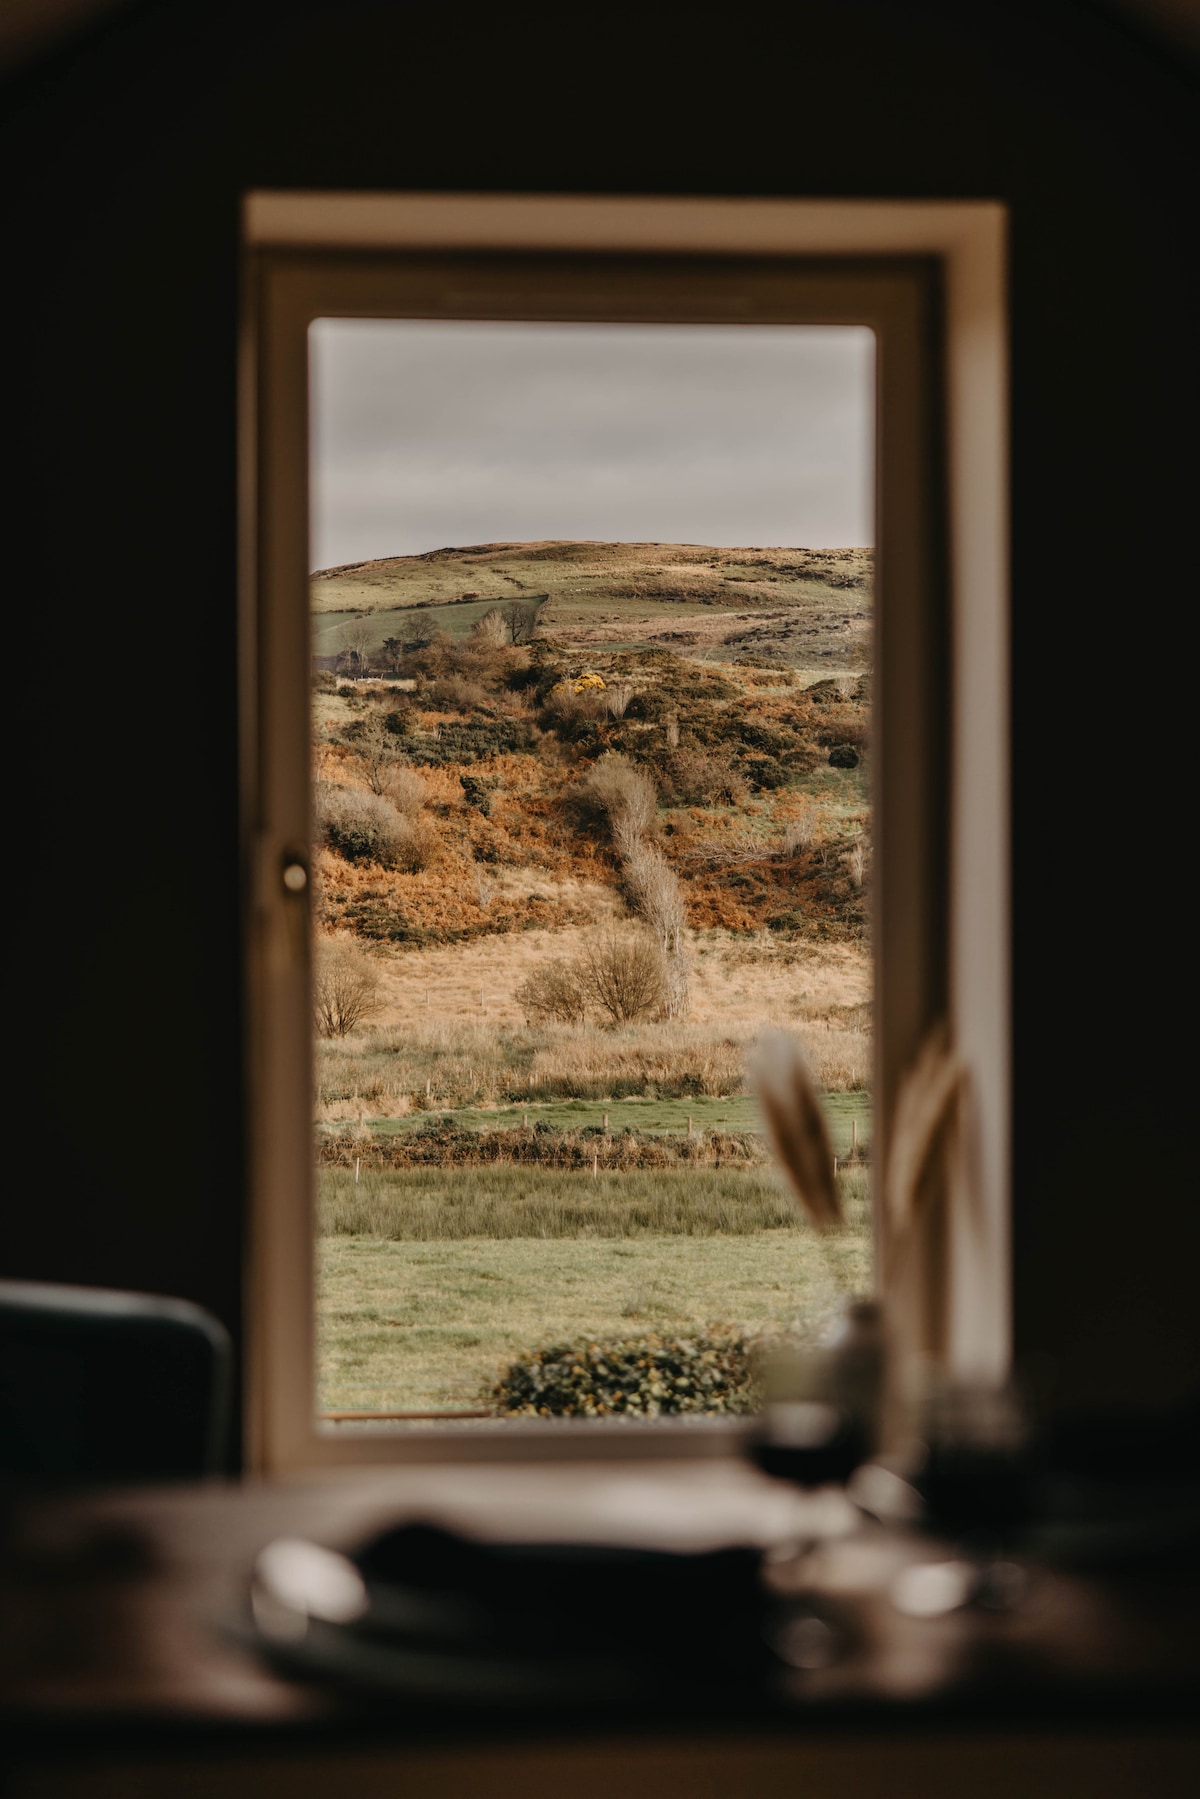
{"x":929,"y":279}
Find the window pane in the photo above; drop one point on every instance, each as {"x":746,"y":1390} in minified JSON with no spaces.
{"x":591,"y":671}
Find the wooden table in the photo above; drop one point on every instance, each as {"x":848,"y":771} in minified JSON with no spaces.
{"x":122,"y":1674}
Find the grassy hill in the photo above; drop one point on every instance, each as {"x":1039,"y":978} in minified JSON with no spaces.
{"x":654,"y":745}
{"x":801,"y":608}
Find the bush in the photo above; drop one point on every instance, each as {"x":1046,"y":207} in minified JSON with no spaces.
{"x":843,"y":755}
{"x":621,"y":794}
{"x":455,"y":693}
{"x":572,"y":715}
{"x":698,"y":779}
{"x":345,"y":988}
{"x":766,"y":772}
{"x":555,"y":993}
{"x":406,"y":789}
{"x":473,"y":740}
{"x":643,"y":1376}
{"x":361,"y":827}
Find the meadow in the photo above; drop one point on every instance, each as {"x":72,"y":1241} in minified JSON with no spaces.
{"x":589,"y":818}
{"x":429,"y":1322}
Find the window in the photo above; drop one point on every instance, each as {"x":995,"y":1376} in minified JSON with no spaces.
{"x":927,"y":281}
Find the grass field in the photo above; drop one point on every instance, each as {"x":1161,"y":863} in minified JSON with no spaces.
{"x":500,"y":1200}
{"x":428,"y":1325}
{"x":847,"y":1113}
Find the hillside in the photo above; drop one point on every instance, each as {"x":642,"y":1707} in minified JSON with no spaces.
{"x":753,"y":764}
{"x":588,"y":817}
{"x":802,"y":608}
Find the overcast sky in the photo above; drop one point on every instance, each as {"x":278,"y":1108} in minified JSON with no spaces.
{"x":427,"y":434}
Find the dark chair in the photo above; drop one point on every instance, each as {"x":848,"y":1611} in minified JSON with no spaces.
{"x":97,"y":1386}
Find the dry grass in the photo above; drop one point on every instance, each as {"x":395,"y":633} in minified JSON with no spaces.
{"x":450,"y":1051}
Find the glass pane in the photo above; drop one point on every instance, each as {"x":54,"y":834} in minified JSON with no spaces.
{"x":591,"y":689}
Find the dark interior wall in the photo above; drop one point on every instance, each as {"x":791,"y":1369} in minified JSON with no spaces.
{"x":125,"y":155}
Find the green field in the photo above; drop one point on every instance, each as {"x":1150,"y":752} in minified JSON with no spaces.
{"x":845,"y":1112}
{"x":427,"y":1326}
{"x":807,"y":608}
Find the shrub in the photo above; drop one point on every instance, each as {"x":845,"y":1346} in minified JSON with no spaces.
{"x":473,"y":741}
{"x":406,"y":789}
{"x":573,"y":716}
{"x":345,"y":988}
{"x":621,"y":793}
{"x":767,"y":772}
{"x":800,"y":832}
{"x":361,"y":827}
{"x":644,"y":1376}
{"x":492,"y":628}
{"x":843,"y":755}
{"x":698,"y":779}
{"x":624,"y":975}
{"x":455,"y":693}
{"x":476,"y":794}
{"x":555,"y":993}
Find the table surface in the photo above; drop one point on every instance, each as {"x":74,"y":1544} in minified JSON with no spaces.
{"x":118,"y":1607}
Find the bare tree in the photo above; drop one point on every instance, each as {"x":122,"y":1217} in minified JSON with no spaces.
{"x":672,"y":730}
{"x":521,"y":619}
{"x":358,"y":638}
{"x":624,"y":975}
{"x":379,"y":748}
{"x":345,"y":988}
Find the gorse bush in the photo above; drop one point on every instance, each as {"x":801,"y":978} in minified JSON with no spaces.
{"x":637,"y":1377}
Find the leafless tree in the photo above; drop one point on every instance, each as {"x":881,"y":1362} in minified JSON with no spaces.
{"x":358,"y":638}
{"x":521,"y":619}
{"x":345,"y":988}
{"x":672,"y":730}
{"x":624,"y":975}
{"x":378,"y":747}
